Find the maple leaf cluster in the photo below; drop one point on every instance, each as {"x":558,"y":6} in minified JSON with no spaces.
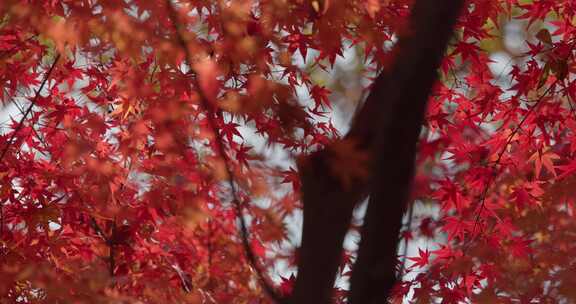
{"x":133,"y":149}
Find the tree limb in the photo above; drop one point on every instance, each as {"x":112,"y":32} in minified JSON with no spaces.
{"x":420,"y":53}
{"x":210,"y":115}
{"x":30,"y":107}
{"x":387,"y":127}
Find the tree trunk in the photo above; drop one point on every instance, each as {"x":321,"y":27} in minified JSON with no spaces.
{"x":387,"y":128}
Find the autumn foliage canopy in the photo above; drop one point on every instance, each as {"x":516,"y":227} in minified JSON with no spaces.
{"x":150,"y":150}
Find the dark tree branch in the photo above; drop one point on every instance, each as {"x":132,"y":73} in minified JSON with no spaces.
{"x":30,"y":107}
{"x":98,"y":230}
{"x":327,"y":213}
{"x":419,"y":55}
{"x":210,"y":116}
{"x":387,"y":127}
{"x":111,"y":255}
{"x":109,"y":241}
{"x":388,"y":131}
{"x":20,"y":125}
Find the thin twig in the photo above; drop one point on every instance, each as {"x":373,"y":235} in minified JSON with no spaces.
{"x":20,"y":125}
{"x":499,"y":158}
{"x":111,"y":249}
{"x":108,"y":240}
{"x":32,"y":104}
{"x":98,"y":230}
{"x":221,"y":151}
{"x":1,"y":220}
{"x":210,"y":236}
{"x":501,"y":153}
{"x":409,"y":227}
{"x":40,"y":139}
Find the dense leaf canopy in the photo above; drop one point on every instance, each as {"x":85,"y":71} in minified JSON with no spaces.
{"x":136,"y":133}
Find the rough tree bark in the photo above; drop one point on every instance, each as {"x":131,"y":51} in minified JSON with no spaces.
{"x":387,"y":127}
